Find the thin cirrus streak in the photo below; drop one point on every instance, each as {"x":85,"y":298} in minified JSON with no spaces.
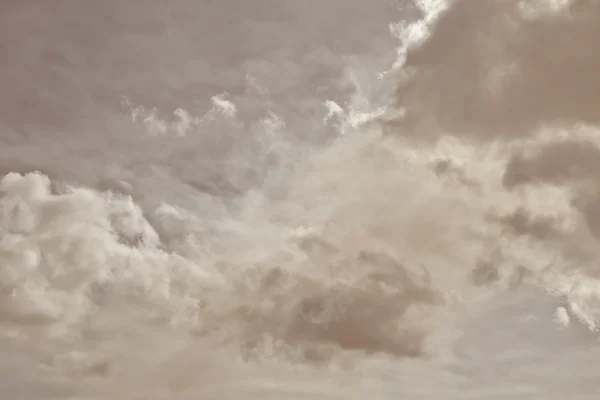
{"x":288,"y":200}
